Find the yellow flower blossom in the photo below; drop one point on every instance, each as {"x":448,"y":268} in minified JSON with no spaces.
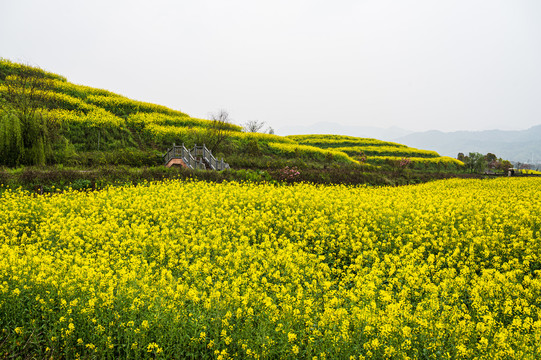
{"x":271,"y":271}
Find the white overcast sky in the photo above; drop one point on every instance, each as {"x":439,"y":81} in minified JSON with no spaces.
{"x":419,"y":65}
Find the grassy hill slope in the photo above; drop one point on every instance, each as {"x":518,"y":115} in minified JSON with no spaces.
{"x":46,"y":120}
{"x":125,"y":131}
{"x":379,"y":152}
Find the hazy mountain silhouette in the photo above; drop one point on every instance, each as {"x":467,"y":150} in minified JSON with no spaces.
{"x":522,"y":145}
{"x":519,"y":145}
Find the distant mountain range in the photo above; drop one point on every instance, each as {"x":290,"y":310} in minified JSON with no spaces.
{"x":519,"y":146}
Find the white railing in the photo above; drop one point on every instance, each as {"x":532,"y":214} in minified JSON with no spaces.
{"x":198,"y":158}
{"x":180,"y":152}
{"x":203,"y":153}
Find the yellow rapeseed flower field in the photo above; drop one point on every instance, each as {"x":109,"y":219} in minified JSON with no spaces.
{"x":444,"y":270}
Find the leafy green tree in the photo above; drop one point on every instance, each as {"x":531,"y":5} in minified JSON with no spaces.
{"x":504,"y":165}
{"x":490,"y":157}
{"x":475,"y":162}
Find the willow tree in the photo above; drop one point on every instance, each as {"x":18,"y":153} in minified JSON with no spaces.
{"x":24,"y":126}
{"x":11,"y":139}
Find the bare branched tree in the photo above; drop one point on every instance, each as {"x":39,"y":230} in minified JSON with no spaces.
{"x":218,"y":131}
{"x":253,"y":126}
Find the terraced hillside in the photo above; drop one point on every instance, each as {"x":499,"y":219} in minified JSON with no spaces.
{"x":47,"y":120}
{"x":89,"y":126}
{"x":378,"y":152}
